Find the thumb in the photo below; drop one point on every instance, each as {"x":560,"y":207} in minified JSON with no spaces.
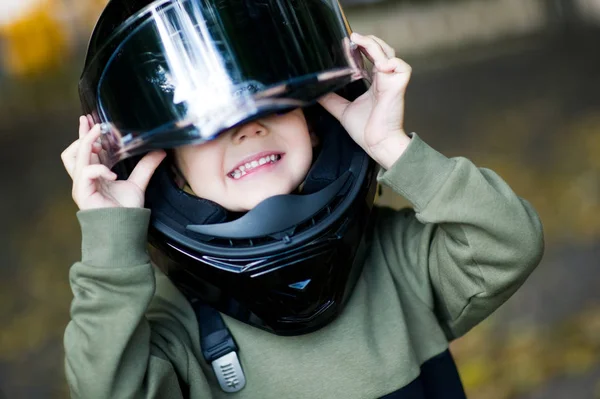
{"x":142,"y":173}
{"x":335,"y":104}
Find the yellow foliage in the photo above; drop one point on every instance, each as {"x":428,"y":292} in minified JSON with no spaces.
{"x":523,"y":361}
{"x":475,"y":372}
{"x":518,"y":361}
{"x":34,"y":42}
{"x":579,"y":359}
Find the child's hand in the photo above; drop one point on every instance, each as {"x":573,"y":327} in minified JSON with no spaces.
{"x":94,"y":185}
{"x":375,"y":119}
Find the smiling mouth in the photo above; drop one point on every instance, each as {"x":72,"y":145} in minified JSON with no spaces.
{"x":251,"y":166}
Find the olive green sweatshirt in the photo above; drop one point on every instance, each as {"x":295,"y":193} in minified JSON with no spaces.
{"x":431,"y":274}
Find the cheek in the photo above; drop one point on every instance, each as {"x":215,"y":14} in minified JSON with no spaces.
{"x":204,"y":168}
{"x":303,"y":147}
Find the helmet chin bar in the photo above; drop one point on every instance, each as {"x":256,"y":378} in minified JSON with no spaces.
{"x":276,"y":216}
{"x":285,"y":288}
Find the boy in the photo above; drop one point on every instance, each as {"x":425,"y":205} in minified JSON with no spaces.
{"x":429,"y":276}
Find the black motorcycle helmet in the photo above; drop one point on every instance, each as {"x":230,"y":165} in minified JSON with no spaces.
{"x":288,"y":265}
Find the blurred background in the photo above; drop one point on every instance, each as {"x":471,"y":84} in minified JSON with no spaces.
{"x":513,"y":85}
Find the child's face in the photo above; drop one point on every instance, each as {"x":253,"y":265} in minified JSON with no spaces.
{"x":251,"y":163}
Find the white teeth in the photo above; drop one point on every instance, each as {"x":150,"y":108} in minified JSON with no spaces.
{"x":241,"y":171}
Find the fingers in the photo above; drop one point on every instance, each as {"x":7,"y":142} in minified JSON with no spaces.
{"x":85,"y":183}
{"x":384,"y":58}
{"x":84,"y":126}
{"x":93,"y":172}
{"x":381,"y":54}
{"x":68,"y":157}
{"x":335,"y":104}
{"x":387,"y":49}
{"x":145,"y":168}
{"x":395,"y":65}
{"x":86,"y":123}
{"x":84,"y":150}
{"x":372,"y":49}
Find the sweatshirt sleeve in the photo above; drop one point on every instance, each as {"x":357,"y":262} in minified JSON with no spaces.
{"x":110,"y":349}
{"x":470,"y":241}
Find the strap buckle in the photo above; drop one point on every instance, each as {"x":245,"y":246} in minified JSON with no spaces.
{"x":218,"y":348}
{"x":229,"y":372}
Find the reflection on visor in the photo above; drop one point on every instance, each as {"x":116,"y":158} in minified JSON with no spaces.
{"x":183,"y":71}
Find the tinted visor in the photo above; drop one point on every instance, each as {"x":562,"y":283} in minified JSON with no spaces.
{"x":183,"y":71}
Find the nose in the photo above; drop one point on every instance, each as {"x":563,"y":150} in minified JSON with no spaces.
{"x":248,"y":131}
